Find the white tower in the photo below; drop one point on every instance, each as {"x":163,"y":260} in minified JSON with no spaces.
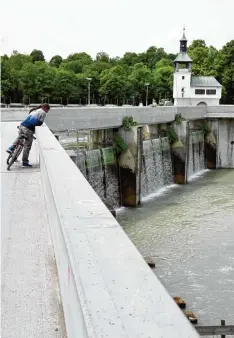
{"x":182,"y":75}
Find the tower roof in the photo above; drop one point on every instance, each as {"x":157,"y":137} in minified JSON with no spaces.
{"x":183,"y":57}
{"x":204,"y":81}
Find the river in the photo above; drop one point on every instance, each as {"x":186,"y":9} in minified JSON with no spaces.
{"x":189,"y":233}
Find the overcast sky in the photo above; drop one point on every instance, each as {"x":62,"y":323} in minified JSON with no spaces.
{"x":113,"y":26}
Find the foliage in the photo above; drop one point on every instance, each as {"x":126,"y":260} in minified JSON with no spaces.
{"x":179,"y":118}
{"x":172,"y":135}
{"x":128,"y":122}
{"x":120,"y":144}
{"x":205,"y":128}
{"x":56,"y":61}
{"x":114,"y":80}
{"x":37,"y":55}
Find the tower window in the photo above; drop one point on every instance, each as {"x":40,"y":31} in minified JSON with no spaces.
{"x":199,"y":91}
{"x":182,"y":77}
{"x":182,"y":89}
{"x":211,"y":91}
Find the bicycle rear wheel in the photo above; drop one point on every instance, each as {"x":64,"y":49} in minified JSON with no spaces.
{"x":15,"y":155}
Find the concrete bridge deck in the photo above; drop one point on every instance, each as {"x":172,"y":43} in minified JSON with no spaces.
{"x":31,"y":306}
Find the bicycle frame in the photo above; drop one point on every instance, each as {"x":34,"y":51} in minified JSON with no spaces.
{"x":17,"y":151}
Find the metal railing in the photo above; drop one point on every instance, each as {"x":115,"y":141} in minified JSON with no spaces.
{"x":219,"y":330}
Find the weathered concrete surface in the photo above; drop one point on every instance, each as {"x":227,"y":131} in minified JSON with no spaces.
{"x":103,"y":117}
{"x":220,"y":112}
{"x":30,"y":306}
{"x":100,"y":117}
{"x":225,"y":143}
{"x":106,"y":287}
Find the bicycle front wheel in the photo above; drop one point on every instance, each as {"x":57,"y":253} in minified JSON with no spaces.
{"x":15,"y":155}
{"x":8,"y":159}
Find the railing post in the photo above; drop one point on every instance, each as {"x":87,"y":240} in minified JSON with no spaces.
{"x":223,"y":324}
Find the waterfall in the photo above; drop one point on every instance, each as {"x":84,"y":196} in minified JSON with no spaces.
{"x":80,"y":162}
{"x":112,"y":196}
{"x":157,"y":165}
{"x":95,"y":173}
{"x":148,"y":177}
{"x":196,"y":154}
{"x":167,"y":162}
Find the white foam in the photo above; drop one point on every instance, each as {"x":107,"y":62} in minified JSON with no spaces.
{"x":158,"y":193}
{"x":198,"y":174}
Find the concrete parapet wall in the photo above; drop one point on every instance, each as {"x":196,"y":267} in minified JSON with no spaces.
{"x":103,"y":117}
{"x":107,"y":288}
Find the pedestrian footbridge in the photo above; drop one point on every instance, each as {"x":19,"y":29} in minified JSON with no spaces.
{"x":68,"y":268}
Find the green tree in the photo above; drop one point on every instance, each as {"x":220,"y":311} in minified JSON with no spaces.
{"x":152,"y":56}
{"x":225,"y":69}
{"x":56,"y":61}
{"x":76,"y":62}
{"x":129,"y":59}
{"x":140,"y":75}
{"x":36,"y":80}
{"x":103,"y":57}
{"x":37,"y":55}
{"x":7,"y":83}
{"x":163,"y":81}
{"x":114,"y":84}
{"x":65,"y":84}
{"x":12,"y":66}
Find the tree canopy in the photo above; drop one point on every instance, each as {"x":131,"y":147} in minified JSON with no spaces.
{"x":114,"y":80}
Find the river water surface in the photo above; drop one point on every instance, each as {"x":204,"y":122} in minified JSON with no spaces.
{"x":189,"y":232}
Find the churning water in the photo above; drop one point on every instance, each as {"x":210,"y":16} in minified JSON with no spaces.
{"x":189,"y":232}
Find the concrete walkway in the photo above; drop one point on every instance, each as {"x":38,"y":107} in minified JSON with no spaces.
{"x":30,"y":300}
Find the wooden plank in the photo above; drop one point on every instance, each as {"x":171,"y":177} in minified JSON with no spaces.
{"x":215,"y":330}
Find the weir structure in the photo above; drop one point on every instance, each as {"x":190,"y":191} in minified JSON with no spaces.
{"x":126,"y":163}
{"x":107,"y":289}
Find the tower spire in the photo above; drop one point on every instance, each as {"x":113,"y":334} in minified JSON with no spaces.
{"x":182,"y":57}
{"x":184,"y":37}
{"x":183,"y":42}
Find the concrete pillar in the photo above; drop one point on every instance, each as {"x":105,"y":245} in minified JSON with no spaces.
{"x":130,"y":162}
{"x":211,"y":137}
{"x":180,"y":152}
{"x":225,"y":143}
{"x":154,"y":131}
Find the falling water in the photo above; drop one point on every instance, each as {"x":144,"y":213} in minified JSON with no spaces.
{"x":95,"y":173}
{"x":80,"y":162}
{"x":148,"y":177}
{"x":157,"y":165}
{"x":158,"y":159}
{"x":167,"y":163}
{"x":111,"y":196}
{"x":196,"y":153}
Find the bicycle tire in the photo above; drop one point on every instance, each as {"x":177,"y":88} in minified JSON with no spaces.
{"x":8,"y":159}
{"x":15,"y":155}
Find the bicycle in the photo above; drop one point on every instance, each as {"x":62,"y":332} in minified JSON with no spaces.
{"x":17,"y":151}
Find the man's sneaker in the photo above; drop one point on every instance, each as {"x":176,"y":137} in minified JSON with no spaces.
{"x":26,"y":165}
{"x":10,"y":150}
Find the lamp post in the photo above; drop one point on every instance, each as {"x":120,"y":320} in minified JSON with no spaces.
{"x":147,"y":92}
{"x":89,"y":80}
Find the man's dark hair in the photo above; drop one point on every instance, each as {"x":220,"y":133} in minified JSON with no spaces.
{"x":46,"y":105}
